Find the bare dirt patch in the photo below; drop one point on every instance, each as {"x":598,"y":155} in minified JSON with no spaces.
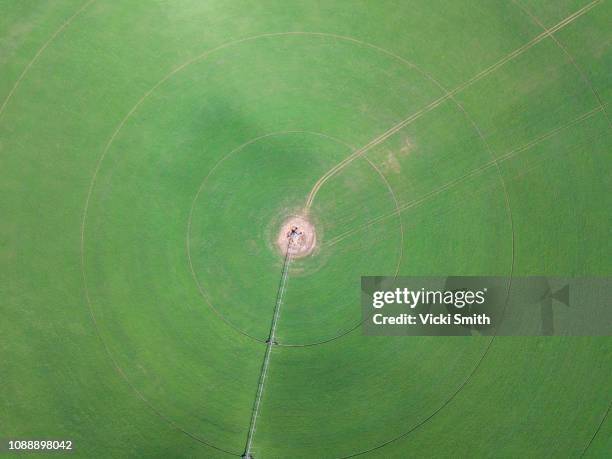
{"x":299,"y":234}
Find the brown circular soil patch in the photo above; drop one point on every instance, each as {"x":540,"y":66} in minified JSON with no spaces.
{"x":303,"y":240}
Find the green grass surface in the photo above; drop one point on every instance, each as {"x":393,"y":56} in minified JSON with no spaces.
{"x":149,"y":152}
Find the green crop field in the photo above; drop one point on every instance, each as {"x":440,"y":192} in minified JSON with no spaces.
{"x":150,"y":152}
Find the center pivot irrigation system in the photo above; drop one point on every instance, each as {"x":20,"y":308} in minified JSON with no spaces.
{"x":271,"y":341}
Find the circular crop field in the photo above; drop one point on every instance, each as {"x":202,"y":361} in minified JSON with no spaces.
{"x":192,"y":191}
